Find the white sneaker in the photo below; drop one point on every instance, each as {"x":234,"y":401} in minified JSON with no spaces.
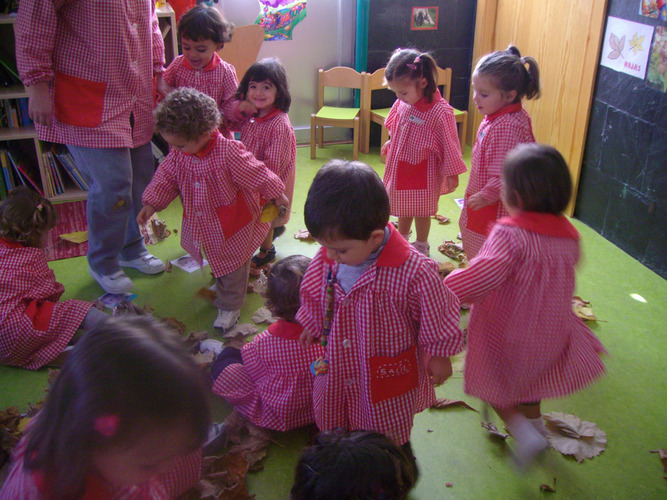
{"x":211,"y":345}
{"x":226,"y":319}
{"x":422,"y":247}
{"x":147,"y":264}
{"x":117,"y":282}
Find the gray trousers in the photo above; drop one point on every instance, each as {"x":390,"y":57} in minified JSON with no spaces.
{"x":231,"y":289}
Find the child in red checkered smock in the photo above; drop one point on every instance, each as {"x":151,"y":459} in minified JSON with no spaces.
{"x":222,"y":187}
{"x":525,"y":343}
{"x":268,"y":134}
{"x":423,"y":153}
{"x":35,"y":327}
{"x":125,"y":419}
{"x":388,"y":323}
{"x":269,"y":380}
{"x":203,"y":32}
{"x":499,"y":82}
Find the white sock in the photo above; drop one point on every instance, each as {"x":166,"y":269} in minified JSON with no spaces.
{"x":538,"y":423}
{"x":529,"y":441}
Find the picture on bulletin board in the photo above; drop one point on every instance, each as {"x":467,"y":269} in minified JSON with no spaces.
{"x":656,"y":76}
{"x":424,"y":18}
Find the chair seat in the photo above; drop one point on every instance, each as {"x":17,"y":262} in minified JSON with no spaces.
{"x":458,"y":113}
{"x":382,"y":113}
{"x":334,"y":113}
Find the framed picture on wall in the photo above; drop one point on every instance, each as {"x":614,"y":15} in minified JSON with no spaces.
{"x":424,"y":18}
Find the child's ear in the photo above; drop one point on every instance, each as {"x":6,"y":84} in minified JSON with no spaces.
{"x":219,"y":47}
{"x":377,"y":236}
{"x":510,"y":96}
{"x":423,"y":82}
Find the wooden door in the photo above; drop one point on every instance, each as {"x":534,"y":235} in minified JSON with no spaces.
{"x":565,"y":37}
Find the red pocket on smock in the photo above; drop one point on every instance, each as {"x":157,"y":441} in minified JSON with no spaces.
{"x":234,"y":217}
{"x":481,"y":221}
{"x":392,"y":376}
{"x":77,"y":101}
{"x":412,"y":175}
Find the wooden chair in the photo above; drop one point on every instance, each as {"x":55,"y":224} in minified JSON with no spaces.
{"x":340,"y":77}
{"x":375,"y":81}
{"x":242,"y":51}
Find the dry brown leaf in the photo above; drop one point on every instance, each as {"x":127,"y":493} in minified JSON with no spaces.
{"x":204,"y":359}
{"x":207,"y":294}
{"x":196,"y":336}
{"x":227,"y":473}
{"x":168,"y":267}
{"x":236,"y":342}
{"x":75,"y":237}
{"x":440,"y":218}
{"x":179,"y":326}
{"x":154,"y":230}
{"x":449,"y":485}
{"x":303,"y":235}
{"x":493,"y":430}
{"x":263,"y":315}
{"x":240,"y":330}
{"x":548,"y":488}
{"x":662,"y":452}
{"x":583,"y":309}
{"x":258,"y":285}
{"x":441,"y":403}
{"x":453,"y":250}
{"x":570,"y":435}
{"x":444,"y":268}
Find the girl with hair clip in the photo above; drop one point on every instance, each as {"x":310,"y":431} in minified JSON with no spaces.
{"x":525,"y":343}
{"x":424,"y":153}
{"x":35,"y":328}
{"x":125,"y":418}
{"x":269,"y":380}
{"x":500,"y":80}
{"x":203,"y":32}
{"x":360,"y":465}
{"x":268,"y":134}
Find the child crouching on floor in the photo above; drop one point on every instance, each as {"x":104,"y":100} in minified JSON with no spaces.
{"x":269,"y":380}
{"x":35,"y":328}
{"x":222,"y":187}
{"x":378,"y":306}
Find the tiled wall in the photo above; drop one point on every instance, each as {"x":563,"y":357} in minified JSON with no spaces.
{"x":623,"y":187}
{"x":451,"y":44}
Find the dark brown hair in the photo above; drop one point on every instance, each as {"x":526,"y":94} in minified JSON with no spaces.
{"x":536,"y":179}
{"x":272,"y":70}
{"x":508,"y":71}
{"x":282,"y":289}
{"x":414,"y":65}
{"x":25,"y":216}
{"x":357,"y":465}
{"x":133,"y":368}
{"x":346,"y":200}
{"x":187,"y":113}
{"x":204,"y":22}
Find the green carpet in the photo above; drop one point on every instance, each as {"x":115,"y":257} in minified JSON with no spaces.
{"x":629,"y":403}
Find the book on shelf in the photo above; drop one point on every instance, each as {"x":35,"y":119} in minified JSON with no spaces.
{"x":8,"y":62}
{"x":7,"y":174}
{"x":24,"y":113}
{"x":49,"y":186}
{"x":26,"y":170}
{"x":67,"y":161}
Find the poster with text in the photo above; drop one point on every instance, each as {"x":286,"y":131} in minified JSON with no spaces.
{"x":626,"y":46}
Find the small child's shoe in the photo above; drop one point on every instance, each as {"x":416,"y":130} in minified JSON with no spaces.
{"x":422,"y":247}
{"x":211,"y":345}
{"x":264,"y":257}
{"x":146,"y":264}
{"x":226,"y":319}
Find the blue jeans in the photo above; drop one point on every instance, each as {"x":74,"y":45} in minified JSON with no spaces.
{"x":117,"y":178}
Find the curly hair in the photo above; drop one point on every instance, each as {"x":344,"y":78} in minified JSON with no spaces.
{"x":282,"y":290}
{"x":25,"y":216}
{"x":204,"y":22}
{"x":186,"y":113}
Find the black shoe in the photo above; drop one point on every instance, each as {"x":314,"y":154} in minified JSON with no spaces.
{"x":269,"y":256}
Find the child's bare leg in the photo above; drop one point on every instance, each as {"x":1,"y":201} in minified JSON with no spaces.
{"x":268,"y":242}
{"x":423,"y":227}
{"x":404,"y":224}
{"x":529,"y":441}
{"x":533,"y":413}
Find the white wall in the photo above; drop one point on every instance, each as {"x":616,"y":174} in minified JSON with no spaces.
{"x":325,"y":38}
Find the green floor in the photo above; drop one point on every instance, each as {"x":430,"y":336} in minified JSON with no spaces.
{"x":629,"y":404}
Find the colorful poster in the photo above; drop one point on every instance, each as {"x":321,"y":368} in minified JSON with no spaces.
{"x":279,"y":17}
{"x":656,"y":76}
{"x":626,"y":45}
{"x":656,"y":9}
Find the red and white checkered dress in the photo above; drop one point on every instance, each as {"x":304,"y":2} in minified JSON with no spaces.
{"x":423,"y":150}
{"x":273,"y":388}
{"x":398,"y":304}
{"x":220,"y":188}
{"x":271,"y":139}
{"x":34,"y":326}
{"x":99,"y":59}
{"x":524,"y":341}
{"x":498,"y":134}
{"x":31,"y":485}
{"x":217,"y":80}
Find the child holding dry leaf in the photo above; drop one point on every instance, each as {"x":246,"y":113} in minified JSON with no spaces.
{"x":525,"y":343}
{"x":35,"y":327}
{"x":222,"y":187}
{"x":269,"y":380}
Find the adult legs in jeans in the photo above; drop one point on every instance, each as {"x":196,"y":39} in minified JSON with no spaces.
{"x":117,"y":178}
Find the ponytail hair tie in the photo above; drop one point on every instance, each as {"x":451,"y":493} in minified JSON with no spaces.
{"x":106,"y":425}
{"x":39,"y":207}
{"x":413,"y":64}
{"x":523,"y":60}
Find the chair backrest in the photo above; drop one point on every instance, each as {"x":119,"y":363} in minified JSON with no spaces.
{"x":445,"y":80}
{"x":242,"y":51}
{"x":342,"y":77}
